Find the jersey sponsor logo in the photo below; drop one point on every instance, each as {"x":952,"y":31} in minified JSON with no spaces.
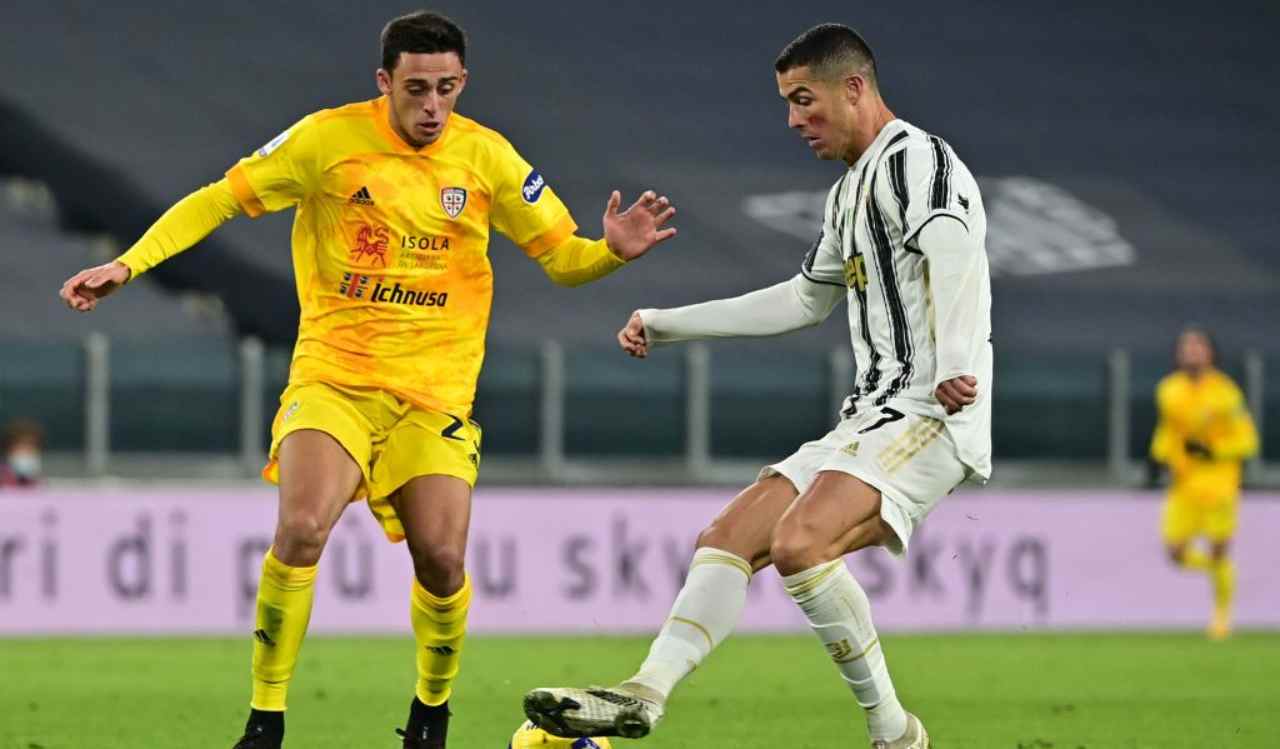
{"x":361,"y":197}
{"x":395,"y":295}
{"x":424,"y":242}
{"x":273,"y":144}
{"x":855,"y":273}
{"x":353,"y":286}
{"x":375,"y":289}
{"x":371,"y":245}
{"x":453,"y":200}
{"x":533,"y":186}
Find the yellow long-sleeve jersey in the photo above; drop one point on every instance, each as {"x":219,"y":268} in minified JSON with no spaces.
{"x":390,"y":245}
{"x":1209,"y":410}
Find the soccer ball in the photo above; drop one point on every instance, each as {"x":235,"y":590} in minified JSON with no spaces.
{"x":529,"y":736}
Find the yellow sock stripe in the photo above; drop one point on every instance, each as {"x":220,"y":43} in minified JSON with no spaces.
{"x":286,"y":577}
{"x":430,"y":602}
{"x":713,"y":558}
{"x":710,"y":642}
{"x":804,"y":587}
{"x":863,"y":654}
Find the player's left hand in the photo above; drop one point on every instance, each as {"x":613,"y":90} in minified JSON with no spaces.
{"x":633,"y":232}
{"x":956,"y":393}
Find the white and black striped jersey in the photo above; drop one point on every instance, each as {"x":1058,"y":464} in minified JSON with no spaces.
{"x":874,"y":215}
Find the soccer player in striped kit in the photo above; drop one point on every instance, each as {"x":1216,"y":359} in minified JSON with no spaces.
{"x":903,"y":242}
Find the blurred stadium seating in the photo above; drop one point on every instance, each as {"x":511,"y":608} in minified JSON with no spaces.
{"x":1124,"y":195}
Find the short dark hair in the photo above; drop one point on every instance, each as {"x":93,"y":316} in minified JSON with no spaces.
{"x":421,"y":32}
{"x":830,"y":49}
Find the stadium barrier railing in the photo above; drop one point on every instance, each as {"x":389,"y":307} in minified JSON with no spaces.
{"x":562,"y":414}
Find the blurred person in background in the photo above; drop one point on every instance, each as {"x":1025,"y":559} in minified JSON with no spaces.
{"x":23,"y":442}
{"x":395,"y":201}
{"x":1203,"y":434}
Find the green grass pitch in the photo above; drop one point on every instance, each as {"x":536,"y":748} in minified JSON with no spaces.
{"x":1018,"y":691}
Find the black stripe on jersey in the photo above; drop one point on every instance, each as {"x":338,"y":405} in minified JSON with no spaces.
{"x":940,"y":189}
{"x":898,"y":181}
{"x":902,"y":346}
{"x":872,"y":379}
{"x":811,"y":257}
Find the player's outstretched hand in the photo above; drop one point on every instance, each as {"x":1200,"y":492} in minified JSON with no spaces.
{"x":632,"y":338}
{"x":631,"y":233}
{"x":83,"y":290}
{"x":957,"y":392}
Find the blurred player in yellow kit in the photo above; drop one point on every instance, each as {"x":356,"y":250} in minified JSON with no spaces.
{"x":1203,"y":434}
{"x":395,"y":198}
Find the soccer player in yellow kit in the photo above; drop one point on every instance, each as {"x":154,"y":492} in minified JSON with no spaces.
{"x":394,"y":199}
{"x":1203,"y":434}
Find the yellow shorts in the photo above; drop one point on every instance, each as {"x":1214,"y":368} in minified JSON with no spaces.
{"x":1182,"y":520}
{"x":391,"y":440}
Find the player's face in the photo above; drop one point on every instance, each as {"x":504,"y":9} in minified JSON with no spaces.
{"x":819,"y":110}
{"x":1195,"y":353}
{"x":423,"y":90}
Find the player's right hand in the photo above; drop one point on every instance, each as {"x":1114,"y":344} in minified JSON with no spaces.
{"x":632,"y":338}
{"x":82,"y":291}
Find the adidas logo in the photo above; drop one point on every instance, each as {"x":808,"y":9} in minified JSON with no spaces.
{"x":362,"y":197}
{"x":261,"y":636}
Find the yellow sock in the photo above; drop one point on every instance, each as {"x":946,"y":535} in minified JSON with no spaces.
{"x":1195,"y":559}
{"x":439,"y":625}
{"x":1224,"y":583}
{"x":284,"y":609}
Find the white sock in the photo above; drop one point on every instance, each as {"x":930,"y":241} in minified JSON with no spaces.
{"x":839,"y":612}
{"x":703,"y":615}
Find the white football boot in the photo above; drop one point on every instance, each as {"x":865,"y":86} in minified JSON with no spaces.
{"x":628,"y":710}
{"x":915,"y":737}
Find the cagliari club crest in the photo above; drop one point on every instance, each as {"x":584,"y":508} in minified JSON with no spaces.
{"x":453,"y":199}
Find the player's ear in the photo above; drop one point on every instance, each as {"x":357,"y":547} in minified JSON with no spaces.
{"x":384,"y":81}
{"x":853,"y":88}
{"x":462,"y":81}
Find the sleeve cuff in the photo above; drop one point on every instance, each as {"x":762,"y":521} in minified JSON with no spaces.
{"x":647,"y":317}
{"x":135,"y":269}
{"x":244,"y":193}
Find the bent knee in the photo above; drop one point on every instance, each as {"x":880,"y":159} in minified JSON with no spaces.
{"x":718,"y":536}
{"x":795,"y":550}
{"x":440,"y":569}
{"x":300,"y":538}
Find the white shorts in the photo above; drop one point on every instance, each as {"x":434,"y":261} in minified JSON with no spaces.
{"x":910,"y":459}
